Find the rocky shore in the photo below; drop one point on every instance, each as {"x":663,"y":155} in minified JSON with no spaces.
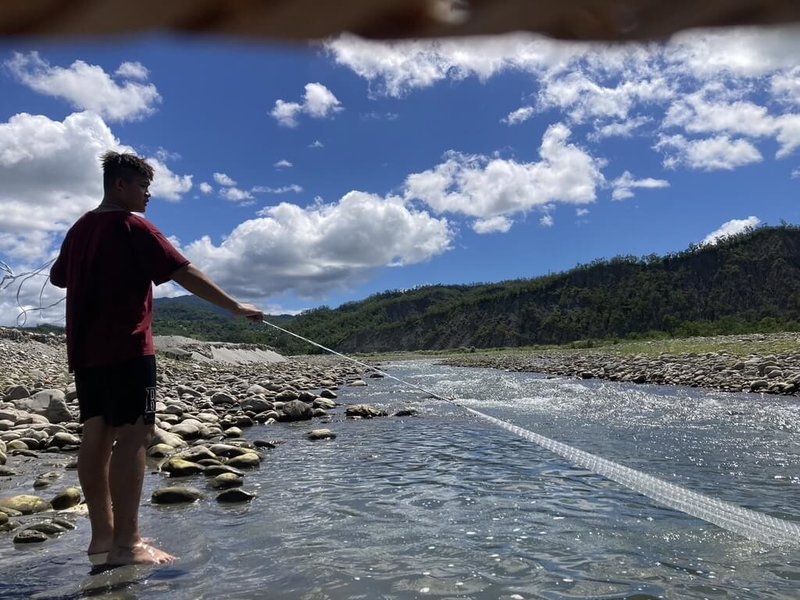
{"x":774,"y":373}
{"x":209,"y":394}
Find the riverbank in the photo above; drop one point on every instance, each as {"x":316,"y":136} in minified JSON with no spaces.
{"x":760,"y":363}
{"x":209,"y":395}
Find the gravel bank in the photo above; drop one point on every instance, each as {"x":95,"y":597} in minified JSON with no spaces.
{"x":777,"y":373}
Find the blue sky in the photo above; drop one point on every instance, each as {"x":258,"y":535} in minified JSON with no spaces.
{"x":317,"y":174}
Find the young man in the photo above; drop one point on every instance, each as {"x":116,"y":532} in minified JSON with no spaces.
{"x":108,"y":262}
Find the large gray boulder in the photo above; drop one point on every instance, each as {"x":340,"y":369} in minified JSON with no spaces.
{"x":296,"y":410}
{"x":51,"y":404}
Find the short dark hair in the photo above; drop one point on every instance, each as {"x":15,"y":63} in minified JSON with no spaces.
{"x":123,"y":165}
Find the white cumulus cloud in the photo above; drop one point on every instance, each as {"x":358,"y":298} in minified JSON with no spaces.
{"x":89,"y":87}
{"x":166,"y":184}
{"x":731,"y":227}
{"x":492,"y":225}
{"x":318,"y":102}
{"x":206,"y":188}
{"x":624,"y":185}
{"x":234,"y":194}
{"x":399,"y":67}
{"x":737,"y":89}
{"x":51,"y":174}
{"x":309,"y":250}
{"x":483,"y":187}
{"x":519,"y":116}
{"x":785,"y":86}
{"x":284,"y":189}
{"x":223,"y":179}
{"x":709,"y":154}
{"x":282,"y":164}
{"x":132,"y":70}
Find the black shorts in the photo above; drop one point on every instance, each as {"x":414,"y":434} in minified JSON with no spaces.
{"x":121,"y":392}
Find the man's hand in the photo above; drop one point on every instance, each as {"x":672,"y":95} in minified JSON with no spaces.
{"x":200,"y":284}
{"x":249,"y":311}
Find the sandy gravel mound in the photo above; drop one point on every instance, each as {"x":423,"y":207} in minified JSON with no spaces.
{"x":186,"y":348}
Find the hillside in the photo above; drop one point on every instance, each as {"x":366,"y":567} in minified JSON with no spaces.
{"x":749,"y":282}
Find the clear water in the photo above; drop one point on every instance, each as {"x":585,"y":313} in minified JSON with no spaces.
{"x":447,"y":506}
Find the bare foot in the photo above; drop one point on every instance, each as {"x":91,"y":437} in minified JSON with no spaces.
{"x":99,"y":549}
{"x":98,"y":545}
{"x":138,"y":554}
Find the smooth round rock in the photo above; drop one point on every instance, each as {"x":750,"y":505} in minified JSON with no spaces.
{"x":17,"y":445}
{"x":249,"y":460}
{"x":64,"y":523}
{"x":235,"y":495}
{"x":62,"y":438}
{"x":30,"y":536}
{"x":228,"y":450}
{"x":324,"y":403}
{"x":67,"y":499}
{"x":176,"y":495}
{"x":178,"y":467}
{"x":160,"y":451}
{"x":197,"y":454}
{"x":26,"y":504}
{"x":233,"y":432}
{"x":365,"y":411}
{"x":47,"y":528}
{"x":214,"y":470}
{"x":321,"y":434}
{"x":225,"y":481}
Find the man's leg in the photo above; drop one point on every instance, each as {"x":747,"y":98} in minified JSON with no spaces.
{"x":93,"y":460}
{"x":126,"y":477}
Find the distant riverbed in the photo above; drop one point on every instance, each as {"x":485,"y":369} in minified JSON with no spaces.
{"x":763,"y":363}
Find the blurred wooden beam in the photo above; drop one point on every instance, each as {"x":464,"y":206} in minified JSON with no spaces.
{"x":613,"y":20}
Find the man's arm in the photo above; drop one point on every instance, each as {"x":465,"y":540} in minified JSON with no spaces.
{"x":58,"y":272}
{"x":200,"y":284}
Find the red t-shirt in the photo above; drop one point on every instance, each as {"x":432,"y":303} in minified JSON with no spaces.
{"x":108,"y":263}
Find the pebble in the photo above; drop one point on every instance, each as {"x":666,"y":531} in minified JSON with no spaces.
{"x":223,"y":481}
{"x":176,"y":495}
{"x":250,"y":460}
{"x":30,"y":536}
{"x":235,"y":495}
{"x":321,"y":434}
{"x":25,"y":504}
{"x":67,"y":499}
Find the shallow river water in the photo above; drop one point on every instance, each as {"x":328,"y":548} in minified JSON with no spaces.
{"x":445,"y":505}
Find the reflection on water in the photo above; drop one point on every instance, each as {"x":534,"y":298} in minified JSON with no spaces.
{"x":446,"y":506}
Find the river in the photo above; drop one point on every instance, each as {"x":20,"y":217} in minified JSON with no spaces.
{"x":445,"y":505}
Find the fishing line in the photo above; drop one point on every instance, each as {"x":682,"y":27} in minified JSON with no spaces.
{"x":9,"y":278}
{"x":743,"y":521}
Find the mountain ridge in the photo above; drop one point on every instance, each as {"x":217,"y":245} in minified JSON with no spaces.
{"x":744,"y":283}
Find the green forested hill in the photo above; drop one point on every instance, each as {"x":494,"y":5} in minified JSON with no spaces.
{"x":749,"y":282}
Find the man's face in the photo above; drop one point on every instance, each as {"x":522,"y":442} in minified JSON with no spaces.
{"x":135,"y":193}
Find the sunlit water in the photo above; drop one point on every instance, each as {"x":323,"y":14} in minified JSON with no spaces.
{"x":444,"y":505}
